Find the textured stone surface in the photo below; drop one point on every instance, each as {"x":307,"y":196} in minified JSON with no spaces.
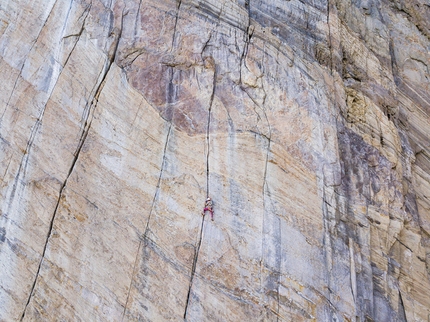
{"x":307,"y":122}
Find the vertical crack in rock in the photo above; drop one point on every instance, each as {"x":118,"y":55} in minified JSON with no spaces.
{"x":25,"y":158}
{"x":35,"y":129}
{"x":401,"y":309}
{"x":193,"y":268}
{"x":178,"y":8}
{"x":13,"y":88}
{"x":206,"y":45}
{"x":208,"y":131}
{"x":279,"y":271}
{"x":265,"y":190}
{"x":197,"y":249}
{"x":87,"y":126}
{"x":136,"y":20}
{"x":269,"y":139}
{"x":248,"y":35}
{"x":7,"y":168}
{"x":353,"y":280}
{"x":248,"y":8}
{"x":131,"y":281}
{"x":318,"y":139}
{"x":329,"y":37}
{"x":145,"y":234}
{"x":327,"y":247}
{"x":25,"y":59}
{"x":79,"y":34}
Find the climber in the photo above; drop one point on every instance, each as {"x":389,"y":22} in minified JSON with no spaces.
{"x":208,"y":207}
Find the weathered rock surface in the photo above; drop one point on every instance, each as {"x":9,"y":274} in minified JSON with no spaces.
{"x":307,"y":122}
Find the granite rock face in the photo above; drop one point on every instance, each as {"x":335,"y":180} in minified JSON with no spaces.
{"x":306,"y":122}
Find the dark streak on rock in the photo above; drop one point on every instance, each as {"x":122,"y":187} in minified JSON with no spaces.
{"x":197,"y":249}
{"x":401,"y":311}
{"x":178,"y":8}
{"x":79,"y":34}
{"x":145,"y":234}
{"x":2,"y":234}
{"x":26,"y":56}
{"x":84,"y":135}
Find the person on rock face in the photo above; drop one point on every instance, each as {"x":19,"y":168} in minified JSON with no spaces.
{"x":208,"y":207}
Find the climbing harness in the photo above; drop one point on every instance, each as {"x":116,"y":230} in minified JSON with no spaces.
{"x":208,"y":207}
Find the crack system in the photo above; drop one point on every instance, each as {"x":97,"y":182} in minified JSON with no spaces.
{"x":265,"y":191}
{"x":178,"y":8}
{"x":79,"y":34}
{"x":87,"y":126}
{"x":197,"y":249}
{"x":25,"y":59}
{"x":248,"y":36}
{"x":208,"y":131}
{"x":265,"y":187}
{"x":401,"y":309}
{"x":145,"y":234}
{"x":38,"y":123}
{"x":193,"y":268}
{"x":329,"y":37}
